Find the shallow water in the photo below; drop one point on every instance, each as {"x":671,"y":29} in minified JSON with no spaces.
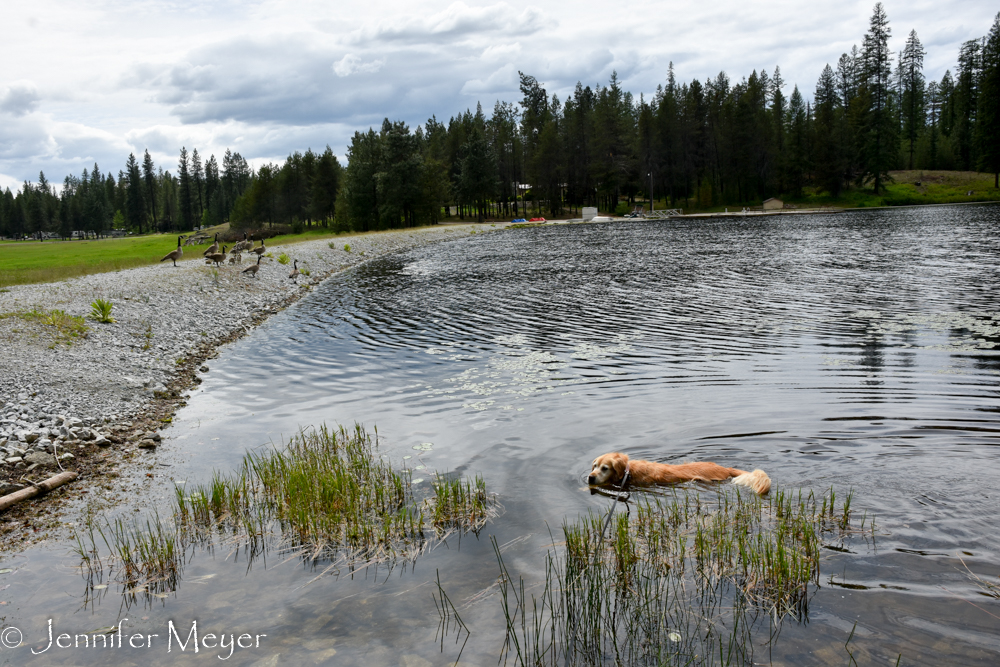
{"x":852,"y":350}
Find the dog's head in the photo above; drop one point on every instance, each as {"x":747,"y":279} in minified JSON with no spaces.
{"x":608,"y":469}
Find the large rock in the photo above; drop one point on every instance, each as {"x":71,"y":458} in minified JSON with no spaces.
{"x":41,"y":458}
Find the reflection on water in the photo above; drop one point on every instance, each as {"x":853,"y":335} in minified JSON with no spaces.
{"x":853,"y":351}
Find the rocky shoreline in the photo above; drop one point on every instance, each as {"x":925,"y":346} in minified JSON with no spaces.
{"x":87,"y":402}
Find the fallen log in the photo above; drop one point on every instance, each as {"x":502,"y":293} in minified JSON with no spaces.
{"x":42,"y":487}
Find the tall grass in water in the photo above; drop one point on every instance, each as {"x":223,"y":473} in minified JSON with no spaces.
{"x":461,"y":504}
{"x":690,"y":579}
{"x":327,"y":494}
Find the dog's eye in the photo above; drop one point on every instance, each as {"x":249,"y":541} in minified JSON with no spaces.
{"x":604,"y":467}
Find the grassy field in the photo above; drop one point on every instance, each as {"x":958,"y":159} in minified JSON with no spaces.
{"x":915,"y":187}
{"x":908,"y":188}
{"x":24,"y":262}
{"x":27,"y":262}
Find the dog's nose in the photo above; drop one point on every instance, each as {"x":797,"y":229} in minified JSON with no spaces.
{"x":590,"y":479}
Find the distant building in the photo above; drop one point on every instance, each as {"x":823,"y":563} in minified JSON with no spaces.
{"x":773,"y":204}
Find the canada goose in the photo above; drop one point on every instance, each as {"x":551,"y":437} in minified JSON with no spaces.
{"x":212,"y":249}
{"x":253,"y":268}
{"x":260,"y":250}
{"x":294,"y":275}
{"x":174,"y":255}
{"x":235,"y":258}
{"x":217,"y":257}
{"x":244,"y":244}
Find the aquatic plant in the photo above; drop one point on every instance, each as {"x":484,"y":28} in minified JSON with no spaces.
{"x":461,"y":504}
{"x":686,"y":581}
{"x":327,"y":495}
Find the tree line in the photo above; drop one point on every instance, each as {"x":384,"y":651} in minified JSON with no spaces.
{"x":693,"y":143}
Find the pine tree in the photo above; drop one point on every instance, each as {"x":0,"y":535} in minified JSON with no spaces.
{"x":966,"y":102}
{"x":198,"y":184}
{"x":911,"y":66}
{"x":184,"y":195}
{"x":988,"y":116}
{"x":933,"y":97}
{"x":323,"y":193}
{"x":149,"y":180}
{"x":135,"y":207}
{"x":829,"y":161}
{"x":878,"y":139}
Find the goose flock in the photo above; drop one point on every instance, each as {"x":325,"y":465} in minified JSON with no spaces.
{"x":213,"y":255}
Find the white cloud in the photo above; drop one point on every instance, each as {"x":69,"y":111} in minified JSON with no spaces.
{"x":352,"y":64}
{"x":459,"y":21}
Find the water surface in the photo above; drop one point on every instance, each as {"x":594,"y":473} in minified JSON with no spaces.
{"x":853,"y":350}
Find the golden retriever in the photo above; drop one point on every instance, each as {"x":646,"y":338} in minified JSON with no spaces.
{"x":610,"y":469}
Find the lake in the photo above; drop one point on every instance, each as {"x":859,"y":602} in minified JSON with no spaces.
{"x":855,"y":351}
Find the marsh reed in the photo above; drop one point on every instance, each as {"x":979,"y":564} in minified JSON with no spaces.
{"x":327,"y":495}
{"x":689,"y":579}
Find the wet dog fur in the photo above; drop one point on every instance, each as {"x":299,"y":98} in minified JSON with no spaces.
{"x":610,"y":469}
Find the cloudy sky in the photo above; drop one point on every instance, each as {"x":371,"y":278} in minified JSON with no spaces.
{"x":85,"y":82}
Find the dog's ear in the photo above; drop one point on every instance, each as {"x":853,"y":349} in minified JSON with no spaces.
{"x":619,"y":463}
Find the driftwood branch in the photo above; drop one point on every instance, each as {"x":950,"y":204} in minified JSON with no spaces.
{"x":30,"y":492}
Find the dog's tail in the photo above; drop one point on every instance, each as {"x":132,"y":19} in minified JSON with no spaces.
{"x":756,"y":480}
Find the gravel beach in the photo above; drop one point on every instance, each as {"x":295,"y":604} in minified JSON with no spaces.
{"x":72,"y":403}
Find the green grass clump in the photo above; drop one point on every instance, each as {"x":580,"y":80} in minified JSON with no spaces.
{"x":347,"y":247}
{"x":327,"y":495}
{"x":686,"y":580}
{"x":100,"y":310}
{"x":67,"y":328}
{"x":283,"y":258}
{"x":461,"y":504}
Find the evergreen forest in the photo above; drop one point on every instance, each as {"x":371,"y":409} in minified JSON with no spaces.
{"x":694,"y":144}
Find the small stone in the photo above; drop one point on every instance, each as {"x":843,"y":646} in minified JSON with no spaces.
{"x":147,"y":443}
{"x":203,"y":369}
{"x":30,"y":437}
{"x":102,"y":442}
{"x":153,"y":435}
{"x":6,"y":488}
{"x":14,"y":459}
{"x":65,"y":457}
